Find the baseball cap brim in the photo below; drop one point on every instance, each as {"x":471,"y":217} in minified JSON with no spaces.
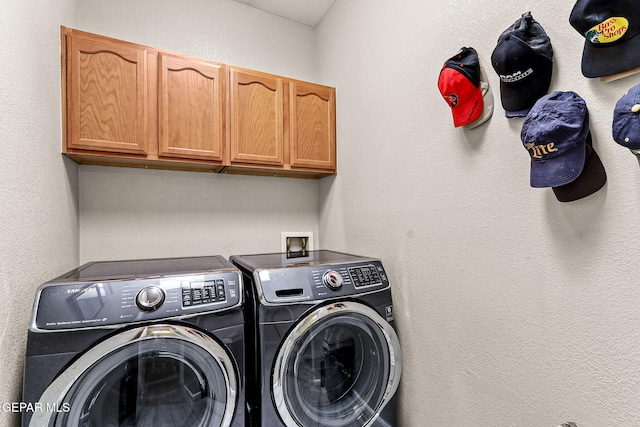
{"x":487,"y":101}
{"x":468,"y":111}
{"x":468,"y":95}
{"x":559,"y":170}
{"x":591,"y":179}
{"x":608,"y":60}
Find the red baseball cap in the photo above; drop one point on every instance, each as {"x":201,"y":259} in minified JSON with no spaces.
{"x":459,"y":84}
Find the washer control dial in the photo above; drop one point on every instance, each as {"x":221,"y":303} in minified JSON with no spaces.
{"x":332,"y":279}
{"x":150,"y":298}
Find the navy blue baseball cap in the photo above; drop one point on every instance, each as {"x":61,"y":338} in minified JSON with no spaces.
{"x":626,"y":120}
{"x":523,"y":59}
{"x":554,"y":133}
{"x":612,"y":35}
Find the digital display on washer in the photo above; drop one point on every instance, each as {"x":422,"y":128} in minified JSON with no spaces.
{"x":366,"y":275}
{"x":195,"y":293}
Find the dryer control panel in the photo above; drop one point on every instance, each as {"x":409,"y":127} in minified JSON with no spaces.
{"x":114,"y":302}
{"x":320,"y":282}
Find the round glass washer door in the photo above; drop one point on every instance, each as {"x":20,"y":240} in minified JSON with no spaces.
{"x":155,"y":375}
{"x":338,"y":367}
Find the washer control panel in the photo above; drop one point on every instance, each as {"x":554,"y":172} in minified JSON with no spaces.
{"x":318,"y":282}
{"x":82,"y":305}
{"x":203,"y":292}
{"x":366,"y":275}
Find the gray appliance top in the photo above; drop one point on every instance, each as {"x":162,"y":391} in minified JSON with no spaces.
{"x":130,"y":269}
{"x":281,"y":260}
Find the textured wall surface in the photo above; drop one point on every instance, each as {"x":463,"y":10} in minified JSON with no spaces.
{"x":38,"y":188}
{"x":141,"y":213}
{"x":513,"y":308}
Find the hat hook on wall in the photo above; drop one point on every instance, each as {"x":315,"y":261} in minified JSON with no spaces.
{"x":613,"y":77}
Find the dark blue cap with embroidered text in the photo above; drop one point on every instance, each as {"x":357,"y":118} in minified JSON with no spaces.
{"x":626,"y":120}
{"x":611,"y":29}
{"x":523,"y":59}
{"x":555,"y":134}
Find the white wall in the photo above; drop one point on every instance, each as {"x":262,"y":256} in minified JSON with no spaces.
{"x":220,"y":30}
{"x":38,"y":187}
{"x":512,"y":308}
{"x":138,"y":213}
{"x":130,"y":213}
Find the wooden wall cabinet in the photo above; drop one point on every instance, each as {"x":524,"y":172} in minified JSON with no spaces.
{"x":190,"y":108}
{"x":256,"y":124}
{"x":313,"y":125}
{"x":107,"y":96}
{"x":283,"y":123}
{"x":130,"y":105}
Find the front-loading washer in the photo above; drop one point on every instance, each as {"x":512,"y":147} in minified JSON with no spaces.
{"x":156,"y":342}
{"x":325,"y":351}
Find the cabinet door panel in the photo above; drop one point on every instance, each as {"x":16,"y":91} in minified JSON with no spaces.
{"x":256,"y":127}
{"x":107,"y":101}
{"x":190,"y":108}
{"x":312,"y":126}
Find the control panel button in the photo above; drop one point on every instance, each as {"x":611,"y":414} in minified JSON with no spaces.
{"x":366,"y":275}
{"x":332,"y":279}
{"x":200,"y":293}
{"x":150,"y":298}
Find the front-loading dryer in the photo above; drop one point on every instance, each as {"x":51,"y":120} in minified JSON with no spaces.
{"x":325,"y":352}
{"x":138,"y":343}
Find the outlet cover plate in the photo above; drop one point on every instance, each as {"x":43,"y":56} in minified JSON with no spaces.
{"x":296,"y":235}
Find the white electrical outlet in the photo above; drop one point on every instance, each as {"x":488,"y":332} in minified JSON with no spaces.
{"x":296,"y":241}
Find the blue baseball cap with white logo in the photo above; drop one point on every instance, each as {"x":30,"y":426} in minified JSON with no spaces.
{"x":554,"y":133}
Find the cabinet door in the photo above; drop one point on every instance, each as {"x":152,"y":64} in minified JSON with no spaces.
{"x":190,"y":112}
{"x":312,"y":131}
{"x":107,"y":105}
{"x":256,"y":124}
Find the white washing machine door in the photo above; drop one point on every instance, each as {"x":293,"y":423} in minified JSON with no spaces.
{"x":339,"y":366}
{"x":148,"y":376}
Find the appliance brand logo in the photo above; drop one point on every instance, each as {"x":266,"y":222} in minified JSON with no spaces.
{"x":81,"y":290}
